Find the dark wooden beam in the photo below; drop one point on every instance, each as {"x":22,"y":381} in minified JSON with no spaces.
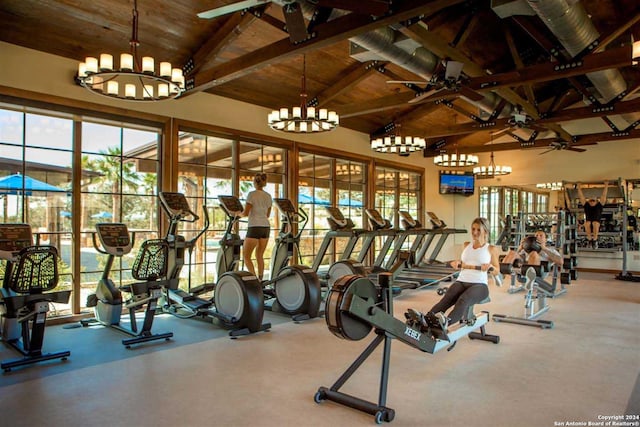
{"x":431,"y":41}
{"x":580,"y":140}
{"x":588,"y":112}
{"x":612,"y":58}
{"x":326,"y":34}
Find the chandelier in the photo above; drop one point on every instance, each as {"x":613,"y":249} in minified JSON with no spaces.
{"x":270,"y":159}
{"x":491,"y":170}
{"x":350,"y":169}
{"x":134,"y":80}
{"x":553,"y":186}
{"x":398,"y":144}
{"x":455,"y":160}
{"x":303,"y":119}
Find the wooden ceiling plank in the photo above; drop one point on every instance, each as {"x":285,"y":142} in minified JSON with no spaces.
{"x":221,"y":38}
{"x":528,"y":89}
{"x":375,"y":105}
{"x":370,"y":7}
{"x":350,"y":78}
{"x":617,"y":33}
{"x":326,"y":34}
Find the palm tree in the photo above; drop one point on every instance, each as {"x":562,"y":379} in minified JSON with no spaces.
{"x":117,"y":174}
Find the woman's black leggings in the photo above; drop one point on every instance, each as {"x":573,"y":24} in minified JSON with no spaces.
{"x":462,"y":295}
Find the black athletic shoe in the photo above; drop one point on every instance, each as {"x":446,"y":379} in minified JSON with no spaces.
{"x":438,"y":324}
{"x":416,"y":320}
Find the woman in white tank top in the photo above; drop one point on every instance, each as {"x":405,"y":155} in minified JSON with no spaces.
{"x":471,"y":286}
{"x":258,"y":209}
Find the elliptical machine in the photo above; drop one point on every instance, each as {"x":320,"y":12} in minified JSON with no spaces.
{"x":149,"y":268}
{"x":237,"y":301}
{"x":31,"y":273}
{"x":293,"y":289}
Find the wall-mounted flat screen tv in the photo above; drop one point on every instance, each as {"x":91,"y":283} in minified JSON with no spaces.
{"x":457,"y":183}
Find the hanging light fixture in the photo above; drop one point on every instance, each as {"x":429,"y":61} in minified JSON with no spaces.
{"x":635,"y":51}
{"x":455,"y":160}
{"x":553,"y":186}
{"x":348,"y":169}
{"x":270,"y":159}
{"x":491,"y":170}
{"x":303,"y":119}
{"x":398,"y":144}
{"x":135,"y":79}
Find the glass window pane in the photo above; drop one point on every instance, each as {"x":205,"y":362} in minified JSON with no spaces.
{"x":50,"y":132}
{"x":11,"y":127}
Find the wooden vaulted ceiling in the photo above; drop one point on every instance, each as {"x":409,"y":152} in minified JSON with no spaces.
{"x":249,"y":56}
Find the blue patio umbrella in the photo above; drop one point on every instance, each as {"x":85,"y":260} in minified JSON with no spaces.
{"x":102,"y":215}
{"x":25,"y":185}
{"x":65,"y":214}
{"x":345,"y":201}
{"x":306,"y":199}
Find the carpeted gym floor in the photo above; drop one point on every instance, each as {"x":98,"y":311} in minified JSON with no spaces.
{"x":583,"y":370}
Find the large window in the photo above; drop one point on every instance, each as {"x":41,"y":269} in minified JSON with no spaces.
{"x":206,"y":165}
{"x":329,"y":181}
{"x":118,"y":182}
{"x":498,"y":202}
{"x":397,"y":190}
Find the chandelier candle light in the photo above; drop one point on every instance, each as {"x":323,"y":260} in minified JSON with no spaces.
{"x":134,"y":80}
{"x":455,"y":160}
{"x":397,"y":144}
{"x":303,"y":119}
{"x":491,"y":171}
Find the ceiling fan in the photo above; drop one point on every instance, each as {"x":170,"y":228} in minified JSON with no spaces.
{"x":563,"y":145}
{"x":291,"y":9}
{"x":445,"y":82}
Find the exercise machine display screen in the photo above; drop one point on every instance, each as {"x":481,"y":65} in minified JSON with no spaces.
{"x":285,"y":205}
{"x":335,"y":213}
{"x":14,"y":237}
{"x":230,"y":204}
{"x":408,"y":218}
{"x":375,"y":216}
{"x":175,"y":203}
{"x":437,"y":222}
{"x":113,"y":235}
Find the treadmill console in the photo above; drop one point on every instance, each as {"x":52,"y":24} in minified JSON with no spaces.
{"x":15,"y":237}
{"x":376,"y":220}
{"x":407,"y":220}
{"x":114,"y":237}
{"x":337,"y":221}
{"x":230,"y":204}
{"x":435,"y":221}
{"x":285,"y":206}
{"x":176,"y":204}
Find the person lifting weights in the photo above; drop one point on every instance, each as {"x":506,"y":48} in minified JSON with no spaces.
{"x":533,"y":250}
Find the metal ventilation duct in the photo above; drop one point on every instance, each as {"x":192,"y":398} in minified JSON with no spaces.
{"x":575,"y":31}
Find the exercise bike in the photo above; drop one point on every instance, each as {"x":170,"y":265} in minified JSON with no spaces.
{"x":30,"y":276}
{"x":237,"y":302}
{"x":292,"y":289}
{"x":355,"y":306}
{"x":149,"y":268}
